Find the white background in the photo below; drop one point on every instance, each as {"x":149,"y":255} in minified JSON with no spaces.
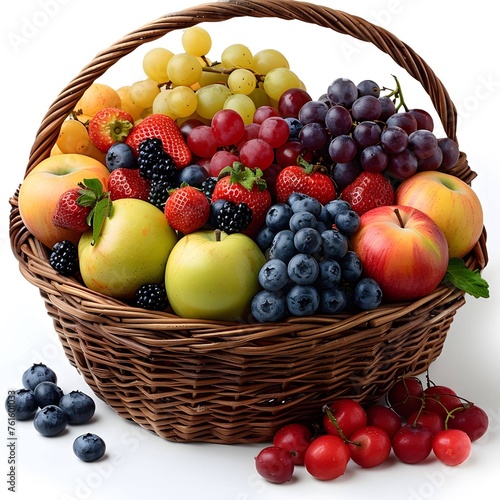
{"x":44,"y":45}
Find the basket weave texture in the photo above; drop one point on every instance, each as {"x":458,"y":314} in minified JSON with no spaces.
{"x":198,"y":380}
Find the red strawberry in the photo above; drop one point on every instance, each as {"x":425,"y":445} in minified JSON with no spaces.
{"x":164,"y":128}
{"x":187,"y":209}
{"x":128,"y":183}
{"x":69,"y":213}
{"x":306,"y":179}
{"x":367,"y":191}
{"x":245,"y":185}
{"x":109,"y":125}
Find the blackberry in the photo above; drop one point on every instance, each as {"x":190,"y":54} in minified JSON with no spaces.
{"x":208,"y":186}
{"x":151,"y":296}
{"x":154,"y":163}
{"x":234,"y":218}
{"x":64,"y":258}
{"x":159,"y":192}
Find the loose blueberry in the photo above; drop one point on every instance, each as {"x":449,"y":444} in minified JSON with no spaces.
{"x":295,"y":197}
{"x":367,"y":294}
{"x":351,"y":267}
{"x":303,"y":269}
{"x":120,"y":155}
{"x":193,"y":175}
{"x":37,"y":373}
{"x":335,"y":244}
{"x":77,"y":406}
{"x":269,"y":306}
{"x":307,"y":240}
{"x":22,"y":404}
{"x":347,"y":222}
{"x":215,"y":208}
{"x":47,"y":393}
{"x":89,"y":447}
{"x":300,"y":220}
{"x":302,"y":300}
{"x":330,"y":274}
{"x":264,"y":239}
{"x":295,"y":126}
{"x":335,"y":206}
{"x":50,"y":421}
{"x":273,"y":275}
{"x":332,"y":300}
{"x":282,"y":246}
{"x":278,"y":217}
{"x":307,"y":204}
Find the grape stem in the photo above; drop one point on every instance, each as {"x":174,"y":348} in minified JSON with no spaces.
{"x":397,"y":93}
{"x":333,"y":420}
{"x":228,"y":71}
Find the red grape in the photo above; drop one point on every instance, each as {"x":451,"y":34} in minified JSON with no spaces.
{"x":263,"y":112}
{"x":228,"y":127}
{"x":202,"y":142}
{"x":256,"y":153}
{"x":291,"y":101}
{"x":275,"y":131}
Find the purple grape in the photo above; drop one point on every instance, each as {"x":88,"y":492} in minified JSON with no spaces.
{"x":368,"y":87}
{"x":433,"y":162}
{"x":345,"y":173}
{"x":342,"y":91}
{"x":342,"y":149}
{"x":366,"y":107}
{"x":402,"y":165}
{"x":388,"y":108}
{"x":313,"y":112}
{"x":450,"y":151}
{"x":423,"y":143}
{"x":374,"y":159}
{"x":404,"y":120}
{"x":338,"y":120}
{"x":394,"y":140}
{"x":424,"y":119}
{"x":367,"y":133}
{"x":313,"y":136}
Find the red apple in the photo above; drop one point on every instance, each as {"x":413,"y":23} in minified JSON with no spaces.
{"x":450,"y":203}
{"x":403,"y":249}
{"x":42,"y":187}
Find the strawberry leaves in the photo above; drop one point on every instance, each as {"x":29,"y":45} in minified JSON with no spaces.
{"x":247,"y":177}
{"x":471,"y":282}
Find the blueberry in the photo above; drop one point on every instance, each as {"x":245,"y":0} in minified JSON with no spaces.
{"x":332,"y":300}
{"x":335,"y":206}
{"x":330,"y":274}
{"x":22,"y":404}
{"x":36,"y":374}
{"x":307,"y":204}
{"x":120,"y":155}
{"x":215,"y":208}
{"x":193,"y":175}
{"x":335,"y":244}
{"x":302,"y":300}
{"x":89,"y":447}
{"x":351,"y":267}
{"x":273,"y":275}
{"x":325,"y":217}
{"x":303,"y":269}
{"x":367,"y":294}
{"x":347,"y":222}
{"x":282,"y":246}
{"x":77,"y":406}
{"x":295,"y":197}
{"x":307,"y":240}
{"x":47,"y":393}
{"x":264,"y":239}
{"x":302,"y":219}
{"x":278,"y":217}
{"x":269,"y":306}
{"x":294,"y":125}
{"x":50,"y":421}
{"x":320,"y":227}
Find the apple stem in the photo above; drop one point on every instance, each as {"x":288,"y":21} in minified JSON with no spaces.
{"x":217,"y":235}
{"x":398,"y":215}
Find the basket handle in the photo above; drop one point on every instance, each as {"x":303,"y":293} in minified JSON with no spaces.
{"x":338,"y":21}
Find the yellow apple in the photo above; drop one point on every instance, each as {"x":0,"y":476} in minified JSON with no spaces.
{"x":450,"y":203}
{"x":131,"y":251}
{"x":42,"y":187}
{"x":208,"y":277}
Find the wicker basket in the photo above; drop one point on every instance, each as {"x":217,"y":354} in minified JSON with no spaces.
{"x":197,"y":380}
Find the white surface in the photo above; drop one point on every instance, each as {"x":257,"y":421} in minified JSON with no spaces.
{"x":45,"y":43}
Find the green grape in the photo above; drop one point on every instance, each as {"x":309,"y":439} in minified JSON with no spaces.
{"x":143,"y":92}
{"x":237,"y":56}
{"x":241,"y":81}
{"x":259,"y":97}
{"x":182,"y":101}
{"x":210,"y":77}
{"x":161,"y":104}
{"x":184,"y":69}
{"x":211,"y":99}
{"x":268,"y":59}
{"x":155,"y":64}
{"x":243,"y":105}
{"x":280,"y":79}
{"x":196,"y":41}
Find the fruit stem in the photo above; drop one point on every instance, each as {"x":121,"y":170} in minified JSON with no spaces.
{"x":398,"y":94}
{"x":217,"y":234}
{"x":398,"y":215}
{"x":333,"y":420}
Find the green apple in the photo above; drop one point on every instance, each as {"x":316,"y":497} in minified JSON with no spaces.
{"x":131,"y":251}
{"x":212,"y":275}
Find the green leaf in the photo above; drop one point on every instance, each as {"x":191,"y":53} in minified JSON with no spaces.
{"x":97,"y":217}
{"x":471,"y":282}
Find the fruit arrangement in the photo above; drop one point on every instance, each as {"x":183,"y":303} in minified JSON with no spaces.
{"x":412,"y":422}
{"x":313,"y":194}
{"x":52,"y":411}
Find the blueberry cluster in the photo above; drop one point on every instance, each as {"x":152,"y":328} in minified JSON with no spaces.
{"x":44,"y":402}
{"x":310,"y":267}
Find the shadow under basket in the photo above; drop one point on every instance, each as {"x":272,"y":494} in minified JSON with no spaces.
{"x":197,"y":380}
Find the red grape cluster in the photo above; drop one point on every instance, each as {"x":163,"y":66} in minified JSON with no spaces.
{"x":415,"y":423}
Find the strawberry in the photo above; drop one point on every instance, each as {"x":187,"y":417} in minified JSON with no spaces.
{"x":69,"y":213}
{"x":367,"y":191}
{"x":244,"y":185}
{"x":164,"y":128}
{"x":305,"y":178}
{"x":108,"y":126}
{"x":187,"y":209}
{"x":128,"y":183}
